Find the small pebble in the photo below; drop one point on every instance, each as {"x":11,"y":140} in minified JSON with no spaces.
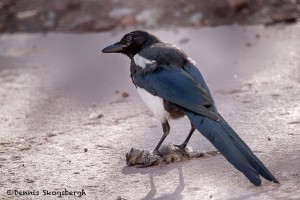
{"x":95,"y":116}
{"x":125,"y":95}
{"x":248,"y":44}
{"x":183,"y":40}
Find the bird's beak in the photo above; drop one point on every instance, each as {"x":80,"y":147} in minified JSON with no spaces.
{"x":114,"y":48}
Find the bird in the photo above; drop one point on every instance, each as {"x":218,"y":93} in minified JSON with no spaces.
{"x":171,"y":86}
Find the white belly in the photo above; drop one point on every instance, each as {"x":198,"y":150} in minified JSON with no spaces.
{"x":155,"y":104}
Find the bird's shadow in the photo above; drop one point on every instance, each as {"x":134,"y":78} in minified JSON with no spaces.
{"x":153,"y":171}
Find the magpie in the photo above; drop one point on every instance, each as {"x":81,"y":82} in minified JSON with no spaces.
{"x":171,"y":86}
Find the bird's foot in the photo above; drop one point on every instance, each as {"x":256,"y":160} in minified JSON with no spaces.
{"x":157,"y":153}
{"x":182,"y":147}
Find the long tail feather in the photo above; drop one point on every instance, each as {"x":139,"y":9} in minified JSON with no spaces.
{"x":233,"y":148}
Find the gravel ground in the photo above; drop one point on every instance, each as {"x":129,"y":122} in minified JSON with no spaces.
{"x":69,"y":114}
{"x":101,"y":15}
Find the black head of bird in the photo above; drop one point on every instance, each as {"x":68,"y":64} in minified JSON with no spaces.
{"x":132,"y":43}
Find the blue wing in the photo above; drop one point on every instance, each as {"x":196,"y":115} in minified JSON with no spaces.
{"x":176,"y":86}
{"x":193,"y":71}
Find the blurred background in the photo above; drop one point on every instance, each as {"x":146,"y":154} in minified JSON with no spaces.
{"x":102,"y":15}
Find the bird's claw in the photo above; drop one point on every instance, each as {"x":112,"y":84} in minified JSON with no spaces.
{"x":182,"y":149}
{"x":157,"y":153}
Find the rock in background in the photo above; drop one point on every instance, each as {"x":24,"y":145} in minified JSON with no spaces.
{"x":101,"y":15}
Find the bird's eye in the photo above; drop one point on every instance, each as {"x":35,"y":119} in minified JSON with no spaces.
{"x":129,"y":38}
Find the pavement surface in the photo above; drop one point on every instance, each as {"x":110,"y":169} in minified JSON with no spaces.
{"x":69,"y":114}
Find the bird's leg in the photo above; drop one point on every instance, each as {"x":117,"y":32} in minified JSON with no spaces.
{"x":183,"y":145}
{"x":166,"y":129}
